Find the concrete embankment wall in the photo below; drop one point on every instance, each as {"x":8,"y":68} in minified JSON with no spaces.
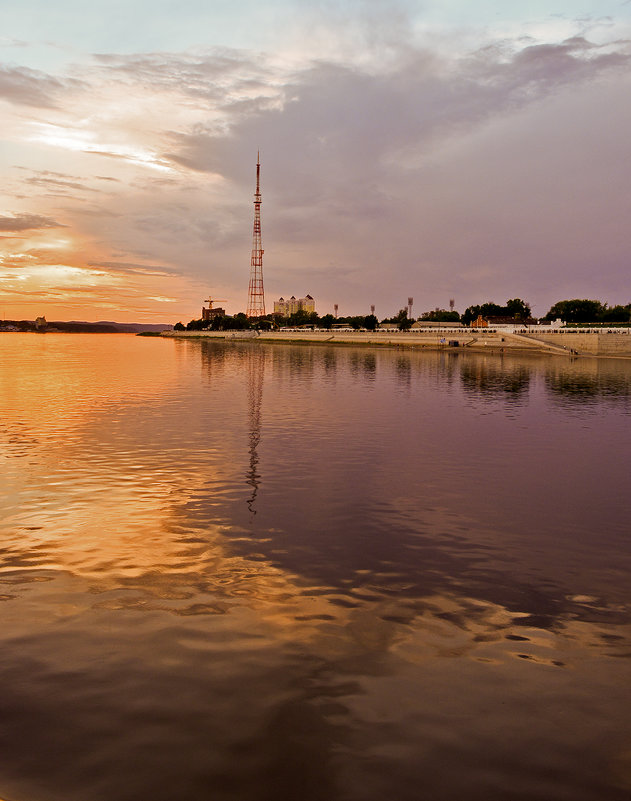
{"x":594,"y":344}
{"x":602,"y":343}
{"x":430,"y":340}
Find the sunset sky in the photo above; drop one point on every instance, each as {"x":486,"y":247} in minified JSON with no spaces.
{"x":439,"y":149}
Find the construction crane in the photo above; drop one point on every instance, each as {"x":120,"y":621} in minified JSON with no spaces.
{"x":210,"y":312}
{"x":210,"y":301}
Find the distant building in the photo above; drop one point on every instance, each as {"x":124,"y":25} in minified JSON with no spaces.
{"x":479,"y":322}
{"x":209,"y":314}
{"x":505,"y":323}
{"x":293,"y":305}
{"x":494,"y":322}
{"x":553,"y":324}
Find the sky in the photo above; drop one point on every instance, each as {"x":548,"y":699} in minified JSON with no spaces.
{"x":430,"y":149}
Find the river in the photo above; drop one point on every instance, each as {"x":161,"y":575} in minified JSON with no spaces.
{"x":245,"y":572}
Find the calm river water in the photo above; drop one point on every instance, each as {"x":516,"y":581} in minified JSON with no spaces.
{"x":239,"y":572}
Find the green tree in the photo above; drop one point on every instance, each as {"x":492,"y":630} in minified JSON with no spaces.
{"x":179,"y":327}
{"x":486,"y":310}
{"x":218,"y":322}
{"x":302,"y":317}
{"x":402,"y":320}
{"x":470,"y":314}
{"x":371,"y":322}
{"x":441,"y":316}
{"x":266,"y":323}
{"x":518,"y":309}
{"x":493,"y":310}
{"x":515,"y":308}
{"x":576,"y":311}
{"x":196,"y":325}
{"x":616,"y":314}
{"x":327,"y":321}
{"x":239,"y":322}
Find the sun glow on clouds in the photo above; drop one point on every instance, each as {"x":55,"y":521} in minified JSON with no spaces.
{"x":48,"y":274}
{"x":57,"y":136}
{"x":55,"y":244}
{"x":59,"y":275}
{"x":61,"y":136}
{"x":67,"y":275}
{"x":96,"y":154}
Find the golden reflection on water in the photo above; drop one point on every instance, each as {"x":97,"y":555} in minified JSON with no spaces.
{"x":256,"y":530}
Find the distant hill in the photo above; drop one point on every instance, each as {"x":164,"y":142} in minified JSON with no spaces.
{"x":81,"y":326}
{"x":131,"y":328}
{"x":75,"y":326}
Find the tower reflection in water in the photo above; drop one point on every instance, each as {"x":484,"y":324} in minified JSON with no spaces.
{"x":255,"y":375}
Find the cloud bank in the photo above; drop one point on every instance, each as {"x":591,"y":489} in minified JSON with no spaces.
{"x":392,"y":166}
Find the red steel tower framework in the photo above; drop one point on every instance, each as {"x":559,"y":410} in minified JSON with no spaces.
{"x":256,"y":297}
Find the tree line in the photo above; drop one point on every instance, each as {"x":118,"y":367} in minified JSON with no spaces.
{"x":589,"y":311}
{"x":576,"y":310}
{"x":573,"y":311}
{"x":298,"y":319}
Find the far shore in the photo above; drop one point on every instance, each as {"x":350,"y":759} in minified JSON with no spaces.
{"x":567,"y":342}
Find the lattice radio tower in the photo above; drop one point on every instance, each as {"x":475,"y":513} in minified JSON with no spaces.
{"x":256,"y":297}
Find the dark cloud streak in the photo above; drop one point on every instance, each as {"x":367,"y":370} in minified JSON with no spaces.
{"x":28,"y":87}
{"x":28,"y":222}
{"x":58,"y":185}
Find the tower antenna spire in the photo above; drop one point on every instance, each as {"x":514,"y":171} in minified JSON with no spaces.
{"x":256,"y":296}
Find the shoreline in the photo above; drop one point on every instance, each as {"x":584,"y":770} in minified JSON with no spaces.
{"x":572,"y":344}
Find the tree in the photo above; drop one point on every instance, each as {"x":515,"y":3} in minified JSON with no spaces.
{"x":302,"y":317}
{"x":371,"y":322}
{"x":486,"y":310}
{"x":239,"y":322}
{"x":441,"y":316}
{"x":196,"y":325}
{"x":493,"y":310}
{"x":327,"y":321}
{"x":179,"y":327}
{"x":227,"y":323}
{"x":616,"y":314}
{"x":266,"y":323}
{"x":218,"y":322}
{"x":470,"y":314}
{"x":576,"y":311}
{"x":515,"y":308}
{"x":402,"y":320}
{"x":589,"y":311}
{"x":518,"y":309}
